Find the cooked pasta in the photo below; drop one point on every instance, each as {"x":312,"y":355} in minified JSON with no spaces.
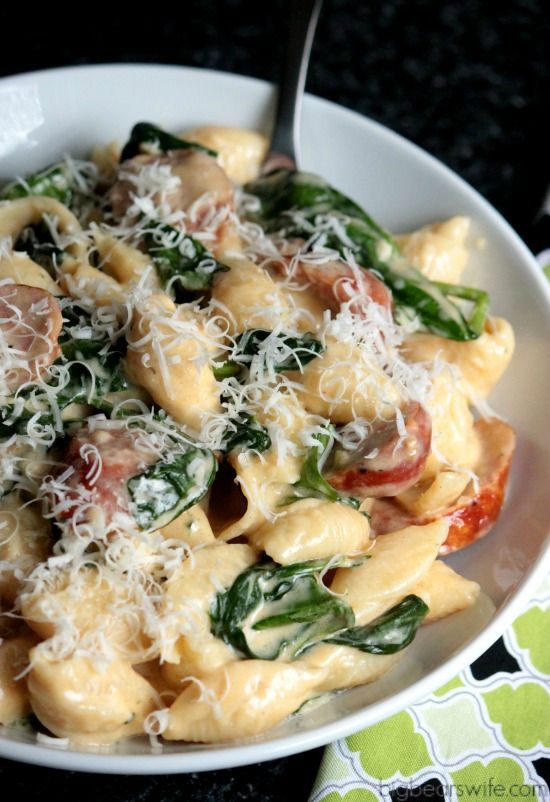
{"x":239,"y":428}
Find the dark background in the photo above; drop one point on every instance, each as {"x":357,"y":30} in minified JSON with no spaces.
{"x":467,"y":80}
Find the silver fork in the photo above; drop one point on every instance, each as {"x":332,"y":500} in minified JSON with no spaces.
{"x":285,"y":140}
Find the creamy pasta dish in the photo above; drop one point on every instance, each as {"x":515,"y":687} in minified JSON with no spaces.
{"x":240,"y":426}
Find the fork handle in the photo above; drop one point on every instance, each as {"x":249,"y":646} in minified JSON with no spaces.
{"x":285,"y":141}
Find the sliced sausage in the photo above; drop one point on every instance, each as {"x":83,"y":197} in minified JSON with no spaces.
{"x":30,"y":323}
{"x":335,"y":281}
{"x":474,"y":513}
{"x":199,"y":175}
{"x":386,"y":462}
{"x":98,"y":465}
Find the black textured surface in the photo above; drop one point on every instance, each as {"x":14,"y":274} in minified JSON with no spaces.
{"x":467,"y":80}
{"x":542,"y":767}
{"x":286,"y":780}
{"x":429,"y":790}
{"x":496,"y":658}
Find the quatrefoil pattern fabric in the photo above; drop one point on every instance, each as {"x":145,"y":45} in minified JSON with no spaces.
{"x":484,"y":735}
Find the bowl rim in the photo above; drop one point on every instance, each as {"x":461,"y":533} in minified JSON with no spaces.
{"x":226,"y":754}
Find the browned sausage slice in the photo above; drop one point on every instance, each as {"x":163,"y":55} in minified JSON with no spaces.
{"x":30,"y":323}
{"x":197,"y":175}
{"x":474,"y":513}
{"x":337,"y":283}
{"x":101,"y":462}
{"x":386,"y":463}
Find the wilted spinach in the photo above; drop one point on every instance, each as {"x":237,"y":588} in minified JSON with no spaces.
{"x":53,"y":182}
{"x":149,"y":138}
{"x":312,"y":483}
{"x":295,"y":607}
{"x":245,"y":432}
{"x":89,"y":369}
{"x":181,"y":260}
{"x":170,"y":486}
{"x":390,"y":632}
{"x":292,"y":597}
{"x":298,"y":204}
{"x":285,"y":351}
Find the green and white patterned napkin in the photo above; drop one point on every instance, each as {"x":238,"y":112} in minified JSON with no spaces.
{"x":484,"y":735}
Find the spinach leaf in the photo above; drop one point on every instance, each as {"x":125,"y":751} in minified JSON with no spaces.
{"x":17,"y":411}
{"x":290,"y":353}
{"x":87,"y":384}
{"x":297,"y":204}
{"x":89,"y":369}
{"x":226,"y":370}
{"x":180,"y":259}
{"x":33,"y":405}
{"x":54,"y":182}
{"x":97,"y":367}
{"x":38,"y":244}
{"x":286,"y":352}
{"x":430,"y":300}
{"x":311,"y":483}
{"x":390,"y":632}
{"x":170,"y":486}
{"x":283,"y":191}
{"x":479,"y":299}
{"x":246,"y":433}
{"x":149,"y":138}
{"x":97,"y":372}
{"x":294,"y":599}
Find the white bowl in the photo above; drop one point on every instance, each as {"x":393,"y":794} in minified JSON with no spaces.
{"x":69,"y":110}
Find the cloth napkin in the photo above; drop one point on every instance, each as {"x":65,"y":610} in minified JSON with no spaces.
{"x":484,"y":735}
